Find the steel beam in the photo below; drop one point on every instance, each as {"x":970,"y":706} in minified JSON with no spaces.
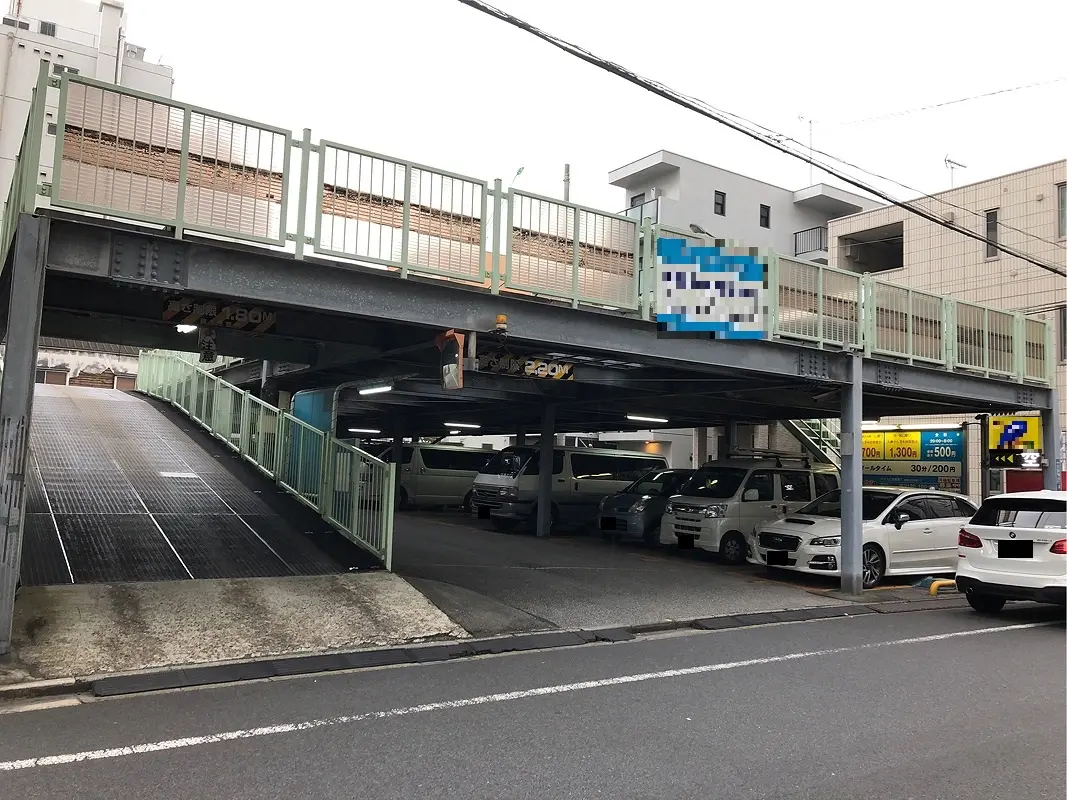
{"x":16,"y":403}
{"x":352,"y":291}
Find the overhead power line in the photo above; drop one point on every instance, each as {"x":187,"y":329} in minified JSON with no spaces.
{"x":908,"y":111}
{"x":770,"y":139}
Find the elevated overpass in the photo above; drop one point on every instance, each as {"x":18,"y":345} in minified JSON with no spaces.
{"x":141,"y":213}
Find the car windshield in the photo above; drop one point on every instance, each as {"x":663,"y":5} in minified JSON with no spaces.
{"x":658,"y":482}
{"x":719,"y":483}
{"x":508,"y":462}
{"x":829,"y":505}
{"x":1021,"y":512}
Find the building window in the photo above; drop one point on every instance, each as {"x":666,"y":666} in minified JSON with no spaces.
{"x":59,"y":69}
{"x":24,"y":26}
{"x":720,"y":203}
{"x":1061,"y":209}
{"x":48,"y":28}
{"x":637,"y":200}
{"x":1061,"y":334}
{"x":9,"y":21}
{"x":764,"y":216}
{"x":991,"y":250}
{"x":51,"y":129}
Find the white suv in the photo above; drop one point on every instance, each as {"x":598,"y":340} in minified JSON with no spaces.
{"x":1015,"y":548}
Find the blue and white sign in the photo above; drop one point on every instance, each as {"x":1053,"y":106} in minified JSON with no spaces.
{"x":914,"y":459}
{"x":715,"y":290}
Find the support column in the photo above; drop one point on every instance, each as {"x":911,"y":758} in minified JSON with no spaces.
{"x":983,"y":455}
{"x":700,"y":447}
{"x":729,"y":439}
{"x":520,"y":438}
{"x":1053,"y":444}
{"x":544,"y":482}
{"x":16,"y":403}
{"x":398,"y":459}
{"x":852,"y":480}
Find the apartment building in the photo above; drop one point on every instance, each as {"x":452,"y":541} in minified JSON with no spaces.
{"x":1025,"y":210}
{"x":84,"y":37}
{"x":678,"y":192}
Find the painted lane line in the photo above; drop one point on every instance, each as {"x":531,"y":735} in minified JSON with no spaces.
{"x":501,"y":697}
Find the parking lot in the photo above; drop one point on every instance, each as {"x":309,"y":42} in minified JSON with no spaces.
{"x":494,"y":583}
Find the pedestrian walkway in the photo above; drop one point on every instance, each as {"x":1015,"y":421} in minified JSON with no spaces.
{"x":118,"y":491}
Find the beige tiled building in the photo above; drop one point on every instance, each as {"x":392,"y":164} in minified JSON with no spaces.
{"x":1026,"y":210}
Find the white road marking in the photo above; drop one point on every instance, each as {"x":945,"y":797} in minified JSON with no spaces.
{"x":501,"y":697}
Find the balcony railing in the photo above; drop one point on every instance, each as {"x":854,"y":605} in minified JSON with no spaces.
{"x":642,"y":211}
{"x":813,"y":240}
{"x":182,"y":170}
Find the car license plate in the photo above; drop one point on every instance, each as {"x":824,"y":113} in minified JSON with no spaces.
{"x":1010,"y":549}
{"x":607,"y":524}
{"x":777,"y":558}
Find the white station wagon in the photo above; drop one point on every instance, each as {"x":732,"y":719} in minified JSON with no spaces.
{"x":905,"y":532}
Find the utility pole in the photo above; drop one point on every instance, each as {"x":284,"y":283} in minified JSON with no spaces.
{"x":566,"y":183}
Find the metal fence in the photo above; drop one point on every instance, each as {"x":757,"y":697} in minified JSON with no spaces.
{"x":351,"y":489}
{"x":127,"y":155}
{"x":563,"y":250}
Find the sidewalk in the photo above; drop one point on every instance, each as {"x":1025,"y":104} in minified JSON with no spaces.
{"x":87,"y":629}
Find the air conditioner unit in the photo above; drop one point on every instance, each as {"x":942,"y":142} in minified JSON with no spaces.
{"x":948,"y":216}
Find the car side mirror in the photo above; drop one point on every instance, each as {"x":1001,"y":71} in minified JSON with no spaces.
{"x":901,"y":518}
{"x":750,"y":495}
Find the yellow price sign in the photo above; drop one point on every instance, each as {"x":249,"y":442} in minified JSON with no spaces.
{"x":1015,"y":432}
{"x":873,"y":446}
{"x":902,"y":445}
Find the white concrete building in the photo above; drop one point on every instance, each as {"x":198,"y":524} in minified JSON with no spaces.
{"x":677,"y":191}
{"x":1025,"y":210}
{"x":86,"y":37}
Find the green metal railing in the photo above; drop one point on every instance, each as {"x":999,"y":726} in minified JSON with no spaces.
{"x":351,"y":489}
{"x":128,"y":155}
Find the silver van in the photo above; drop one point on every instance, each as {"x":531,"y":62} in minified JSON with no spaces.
{"x":505,"y":491}
{"x":725,"y":500}
{"x":437,"y":474}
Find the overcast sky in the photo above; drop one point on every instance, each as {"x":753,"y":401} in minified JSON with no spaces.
{"x":436,"y":82}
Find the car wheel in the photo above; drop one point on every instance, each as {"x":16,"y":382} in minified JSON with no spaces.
{"x":732,"y":548}
{"x":873,"y":565}
{"x":467,"y":501}
{"x":686,"y":541}
{"x":651,"y":536}
{"x":985,"y":603}
{"x":401,"y":497}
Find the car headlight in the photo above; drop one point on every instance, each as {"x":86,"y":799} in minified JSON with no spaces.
{"x":669,"y":508}
{"x":509,"y":493}
{"x":826,"y":541}
{"x":637,"y":507}
{"x":715,"y":512}
{"x":600,"y":505}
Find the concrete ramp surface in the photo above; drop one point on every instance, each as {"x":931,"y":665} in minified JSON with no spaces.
{"x":119,"y":491}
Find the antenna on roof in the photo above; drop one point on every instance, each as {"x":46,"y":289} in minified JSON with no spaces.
{"x":952,"y":166}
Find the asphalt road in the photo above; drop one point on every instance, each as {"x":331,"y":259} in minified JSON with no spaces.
{"x":495,"y":583}
{"x":941,"y":704}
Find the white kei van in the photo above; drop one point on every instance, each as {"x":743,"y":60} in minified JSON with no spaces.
{"x":437,"y":474}
{"x":505,"y":491}
{"x":725,"y":500}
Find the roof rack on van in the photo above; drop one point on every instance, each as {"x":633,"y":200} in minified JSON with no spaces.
{"x":779,"y":456}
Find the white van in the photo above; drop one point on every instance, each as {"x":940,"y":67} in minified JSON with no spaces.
{"x":725,"y":500}
{"x":505,"y":491}
{"x":437,"y":474}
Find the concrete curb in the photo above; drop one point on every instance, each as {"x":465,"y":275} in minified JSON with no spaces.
{"x":287,"y":666}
